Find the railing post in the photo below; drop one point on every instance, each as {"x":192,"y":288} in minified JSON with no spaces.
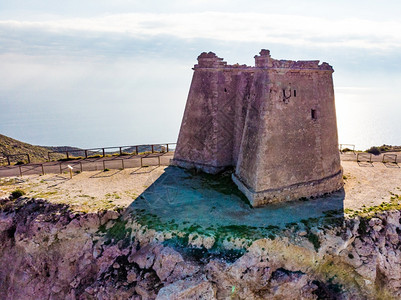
{"x":68,"y":155}
{"x":104,"y":166}
{"x":103,"y":152}
{"x":159,"y":160}
{"x":61,"y":170}
{"x":122,"y":162}
{"x":136,"y":150}
{"x":8,"y":160}
{"x":43,"y":170}
{"x":29,"y":159}
{"x":121,"y":151}
{"x":20,"y":171}
{"x":86,"y":153}
{"x":153,"y":150}
{"x":167,"y":148}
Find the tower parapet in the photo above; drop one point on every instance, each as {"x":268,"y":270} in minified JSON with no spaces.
{"x":275,"y":123}
{"x":210,"y":60}
{"x":263,"y":60}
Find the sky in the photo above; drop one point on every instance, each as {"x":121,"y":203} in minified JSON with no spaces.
{"x":110,"y":73}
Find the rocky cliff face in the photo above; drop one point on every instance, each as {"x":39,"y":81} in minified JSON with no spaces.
{"x":49,"y":252}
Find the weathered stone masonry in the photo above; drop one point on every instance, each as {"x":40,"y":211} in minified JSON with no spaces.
{"x":275,"y":123}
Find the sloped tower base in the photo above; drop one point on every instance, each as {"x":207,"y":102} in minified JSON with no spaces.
{"x":293,"y":192}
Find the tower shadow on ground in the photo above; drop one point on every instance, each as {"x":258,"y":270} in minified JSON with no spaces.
{"x":185,"y":200}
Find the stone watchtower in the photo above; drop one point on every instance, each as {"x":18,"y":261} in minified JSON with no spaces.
{"x":275,"y":123}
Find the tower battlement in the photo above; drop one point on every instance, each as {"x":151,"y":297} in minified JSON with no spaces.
{"x":275,"y":123}
{"x":263,"y":60}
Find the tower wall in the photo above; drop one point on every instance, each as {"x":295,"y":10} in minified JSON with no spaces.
{"x":212,"y":126}
{"x":275,"y":123}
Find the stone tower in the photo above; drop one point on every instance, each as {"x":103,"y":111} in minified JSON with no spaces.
{"x":275,"y":123}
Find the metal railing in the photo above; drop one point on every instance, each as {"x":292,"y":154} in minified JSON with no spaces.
{"x":69,"y":163}
{"x":92,"y":152}
{"x":30,"y":167}
{"x":364,"y":157}
{"x":389,"y":158}
{"x":113,"y":160}
{"x":10,"y":156}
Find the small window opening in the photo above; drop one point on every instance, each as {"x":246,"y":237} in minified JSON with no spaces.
{"x":225,"y":90}
{"x":295,"y":93}
{"x":285,"y":97}
{"x":313,"y":114}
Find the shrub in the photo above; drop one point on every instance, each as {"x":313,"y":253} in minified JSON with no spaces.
{"x":70,"y":158}
{"x":384,"y":148}
{"x":106,"y":170}
{"x":374,"y":150}
{"x":19,"y":163}
{"x":17,"y":193}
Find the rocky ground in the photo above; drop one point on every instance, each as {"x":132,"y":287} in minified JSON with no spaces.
{"x":69,"y":248}
{"x":49,"y":252}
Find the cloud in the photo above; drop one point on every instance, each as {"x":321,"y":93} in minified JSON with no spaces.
{"x":291,"y":30}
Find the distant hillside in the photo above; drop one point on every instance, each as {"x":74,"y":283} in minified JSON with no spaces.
{"x":11,"y":146}
{"x":74,"y":151}
{"x":61,"y":149}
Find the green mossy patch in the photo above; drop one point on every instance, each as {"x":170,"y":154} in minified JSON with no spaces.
{"x":221,"y":183}
{"x":369,"y":212}
{"x":17,"y":193}
{"x":117,"y":232}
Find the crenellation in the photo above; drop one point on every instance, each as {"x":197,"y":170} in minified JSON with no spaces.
{"x":210,"y":60}
{"x":275,"y":123}
{"x":326,"y":66}
{"x":264,"y":60}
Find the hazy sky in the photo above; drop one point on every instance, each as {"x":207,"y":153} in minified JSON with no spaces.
{"x":107,"y":73}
